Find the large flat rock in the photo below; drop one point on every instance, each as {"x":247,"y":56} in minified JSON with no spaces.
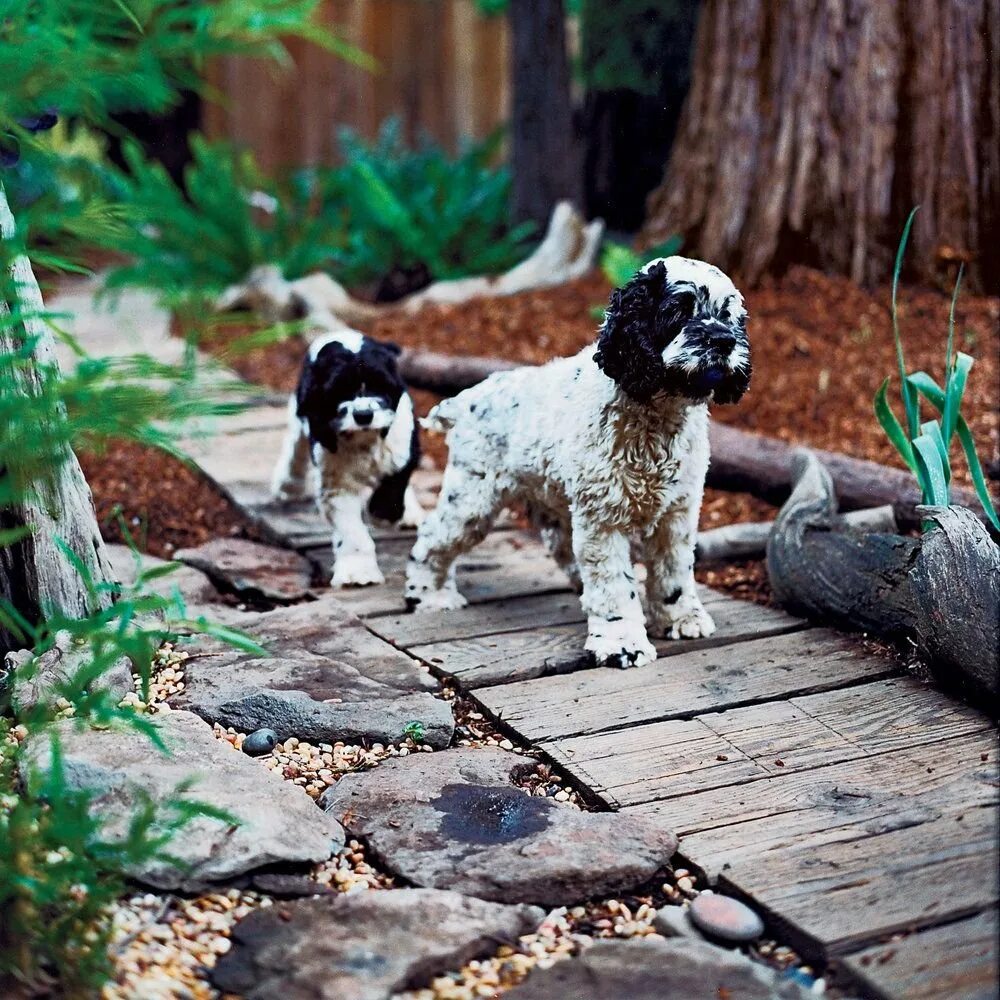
{"x":327,"y":679}
{"x":252,"y":570}
{"x":457,"y":820}
{"x":363,"y":946}
{"x":276,"y":822}
{"x":657,"y":969}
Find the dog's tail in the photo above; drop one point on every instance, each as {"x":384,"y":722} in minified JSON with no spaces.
{"x":441,"y":418}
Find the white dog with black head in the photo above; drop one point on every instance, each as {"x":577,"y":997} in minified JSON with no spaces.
{"x":603,"y":449}
{"x":351,"y":419}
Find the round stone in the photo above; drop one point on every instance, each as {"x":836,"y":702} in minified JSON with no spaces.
{"x":725,"y":918}
{"x":260,"y":742}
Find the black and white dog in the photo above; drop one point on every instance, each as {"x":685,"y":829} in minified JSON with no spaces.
{"x":352,"y":418}
{"x":603,"y":448}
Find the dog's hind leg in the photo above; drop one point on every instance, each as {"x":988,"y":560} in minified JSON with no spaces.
{"x":289,"y":480}
{"x":462,"y":518}
{"x":558,"y":538}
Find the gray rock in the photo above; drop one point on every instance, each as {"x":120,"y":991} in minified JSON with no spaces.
{"x":657,"y":969}
{"x":259,"y":742}
{"x":363,"y":946}
{"x":34,"y":680}
{"x":725,"y":918}
{"x":673,"y":921}
{"x":455,"y":820}
{"x":197,"y":591}
{"x":276,"y":821}
{"x":252,"y":570}
{"x":327,"y":679}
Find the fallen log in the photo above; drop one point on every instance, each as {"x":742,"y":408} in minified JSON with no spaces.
{"x":742,"y":462}
{"x":749,"y":540}
{"x":939,"y":592}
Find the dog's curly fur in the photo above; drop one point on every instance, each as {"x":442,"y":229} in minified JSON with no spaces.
{"x":351,"y":415}
{"x":601,"y":448}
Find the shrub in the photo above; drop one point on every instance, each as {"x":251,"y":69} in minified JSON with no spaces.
{"x":925,"y":446}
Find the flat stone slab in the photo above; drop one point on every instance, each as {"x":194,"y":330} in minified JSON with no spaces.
{"x":328,"y":679}
{"x":276,"y":822}
{"x":251,"y":570}
{"x":657,"y":969}
{"x":456,"y":820}
{"x":363,"y":946}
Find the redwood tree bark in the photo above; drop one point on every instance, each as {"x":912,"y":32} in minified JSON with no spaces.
{"x":812,"y":128}
{"x":544,"y":157}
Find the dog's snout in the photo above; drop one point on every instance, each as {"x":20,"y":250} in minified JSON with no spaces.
{"x":363,"y":417}
{"x":722,"y":339}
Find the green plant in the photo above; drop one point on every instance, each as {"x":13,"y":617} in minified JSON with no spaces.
{"x":401,"y":208}
{"x":620,"y":262}
{"x":925,"y":446}
{"x":414,"y":731}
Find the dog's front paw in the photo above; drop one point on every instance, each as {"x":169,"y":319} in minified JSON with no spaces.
{"x":445,"y":599}
{"x":620,"y":643}
{"x":356,"y":571}
{"x":690,"y":622}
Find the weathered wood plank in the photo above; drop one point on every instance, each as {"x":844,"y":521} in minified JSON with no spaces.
{"x":839,"y":896}
{"x":684,"y":685}
{"x":669,"y":759}
{"x":955,"y":962}
{"x":484,"y":660}
{"x":519,"y":615}
{"x":724,"y":827}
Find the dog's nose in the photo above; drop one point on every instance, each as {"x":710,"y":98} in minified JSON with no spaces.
{"x":363,"y":417}
{"x":722,"y":340}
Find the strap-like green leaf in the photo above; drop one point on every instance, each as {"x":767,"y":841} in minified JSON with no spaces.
{"x":911,"y":403}
{"x":976,"y":470}
{"x":935,"y":486}
{"x":928,"y":388}
{"x":891,"y":426}
{"x":932,"y":429}
{"x":954,"y":389}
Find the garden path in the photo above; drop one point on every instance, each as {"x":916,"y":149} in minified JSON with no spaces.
{"x":847,"y":801}
{"x":855,"y":807}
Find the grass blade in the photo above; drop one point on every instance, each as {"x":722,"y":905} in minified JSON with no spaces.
{"x":951,"y":324}
{"x":976,"y":470}
{"x":929,"y":460}
{"x":892,"y":427}
{"x":932,"y":429}
{"x":910,"y":400}
{"x":953,"y":392}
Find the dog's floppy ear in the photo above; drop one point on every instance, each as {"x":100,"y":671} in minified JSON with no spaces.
{"x":387,"y":502}
{"x":315,"y":401}
{"x":626,"y":348}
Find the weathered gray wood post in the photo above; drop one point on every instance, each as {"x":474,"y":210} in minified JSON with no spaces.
{"x":36,"y":577}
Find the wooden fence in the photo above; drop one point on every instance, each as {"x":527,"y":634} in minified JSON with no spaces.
{"x":442,"y":69}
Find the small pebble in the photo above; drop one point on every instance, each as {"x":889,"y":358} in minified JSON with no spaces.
{"x":260,"y":742}
{"x":725,"y":918}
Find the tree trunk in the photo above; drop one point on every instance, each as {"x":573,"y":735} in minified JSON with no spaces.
{"x":544,"y":158}
{"x":812,"y":128}
{"x":36,"y":577}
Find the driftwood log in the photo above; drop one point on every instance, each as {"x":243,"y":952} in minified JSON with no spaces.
{"x":36,"y":576}
{"x":568,"y":251}
{"x":741,"y":461}
{"x":939,"y":591}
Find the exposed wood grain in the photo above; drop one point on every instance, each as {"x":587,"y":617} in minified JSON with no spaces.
{"x":955,"y":962}
{"x":725,"y":827}
{"x":675,"y":758}
{"x":683,"y":685}
{"x":839,"y":896}
{"x":480,"y":661}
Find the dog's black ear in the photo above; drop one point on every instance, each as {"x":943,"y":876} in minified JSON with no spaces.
{"x":315,"y":398}
{"x":626,"y":347}
{"x":387,"y":501}
{"x":394,"y":349}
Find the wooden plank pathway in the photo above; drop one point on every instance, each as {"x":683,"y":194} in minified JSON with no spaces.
{"x":853,"y":806}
